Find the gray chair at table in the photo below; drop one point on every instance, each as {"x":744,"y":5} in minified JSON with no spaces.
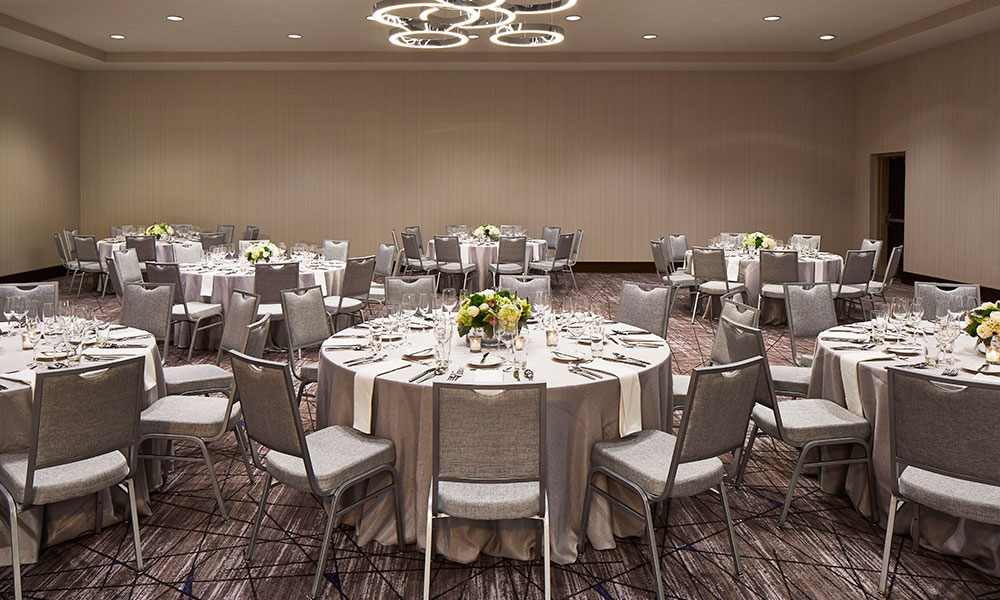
{"x":187,"y":252}
{"x":810,"y":310}
{"x":456,"y":229}
{"x":709,"y":270}
{"x":511,"y":258}
{"x":657,"y":466}
{"x":257,"y":336}
{"x":807,"y":424}
{"x":413,"y":259}
{"x":41,"y":292}
{"x":68,"y":241}
{"x":307,"y":324}
{"x":663,"y":262}
{"x":855,"y":277}
{"x":677,"y":243}
{"x":812,"y":241}
{"x":116,"y":230}
{"x":211,"y":240}
{"x":414,"y":230}
{"x":116,"y":282}
{"x":878,"y":288}
{"x":269,"y":281}
{"x":251,"y":233}
{"x":936,"y":297}
{"x":385,"y":266}
{"x":777,"y":267}
{"x":201,"y":316}
{"x":551,"y":237}
{"x":354,"y":290}
{"x":574,"y":255}
{"x":71,"y":265}
{"x":147,"y":306}
{"x":123,"y":269}
{"x":646,"y":306}
{"x":89,"y":259}
{"x":559,"y":260}
{"x":325,"y":463}
{"x":144,"y":246}
{"x":395,"y":287}
{"x":336,"y":249}
{"x":942,"y":447}
{"x":82,"y":442}
{"x":876,"y":245}
{"x":489,"y":460}
{"x":448,"y":257}
{"x":229,"y":230}
{"x":209,"y":378}
{"x":526,"y":286}
{"x":732,"y":238}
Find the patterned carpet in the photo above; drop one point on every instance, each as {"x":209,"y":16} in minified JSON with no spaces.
{"x":826,"y":550}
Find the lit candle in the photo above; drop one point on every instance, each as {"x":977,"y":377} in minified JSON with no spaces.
{"x":26,"y":343}
{"x":519,"y":342}
{"x":993,"y":354}
{"x":475,"y":342}
{"x":551,"y":337}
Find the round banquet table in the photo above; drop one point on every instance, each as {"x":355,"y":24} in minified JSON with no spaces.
{"x":164,"y":250}
{"x":580,"y":412}
{"x":863,"y":387}
{"x":484,"y":254}
{"x":824,"y":267}
{"x":216,"y":283}
{"x":44,"y":526}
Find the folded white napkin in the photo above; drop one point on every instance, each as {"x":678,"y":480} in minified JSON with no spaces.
{"x":364,"y":387}
{"x":207,"y":284}
{"x":630,"y":396}
{"x":149,"y":365}
{"x":849,"y":375}
{"x":26,"y":376}
{"x":733,"y":268}
{"x":320,"y":279}
{"x":820,"y":270}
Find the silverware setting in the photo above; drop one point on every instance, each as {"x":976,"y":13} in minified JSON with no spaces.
{"x":950,"y":372}
{"x":457,"y":374}
{"x":351,"y":348}
{"x":421,"y":375}
{"x":576,"y":370}
{"x":366,"y":360}
{"x":431,"y":374}
{"x":637,"y":361}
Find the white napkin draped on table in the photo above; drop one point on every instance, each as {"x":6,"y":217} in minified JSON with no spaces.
{"x":207,"y":284}
{"x":364,"y":387}
{"x":630,"y":397}
{"x":849,"y":374}
{"x":27,"y":376}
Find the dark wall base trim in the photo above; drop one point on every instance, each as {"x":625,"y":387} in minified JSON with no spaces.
{"x":615,"y":267}
{"x":987,"y":293}
{"x":36,"y":275}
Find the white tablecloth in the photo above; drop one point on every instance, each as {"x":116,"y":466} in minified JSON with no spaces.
{"x":164,"y":250}
{"x":484,"y":254}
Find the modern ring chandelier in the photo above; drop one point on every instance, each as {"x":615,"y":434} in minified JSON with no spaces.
{"x":452,"y":23}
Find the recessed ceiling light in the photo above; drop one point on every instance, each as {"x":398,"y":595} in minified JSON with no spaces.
{"x":117,"y":36}
{"x":573,"y":18}
{"x":649,"y":36}
{"x":473,"y":36}
{"x":295,"y":36}
{"x":827,"y":37}
{"x":772,"y":18}
{"x":174,"y":18}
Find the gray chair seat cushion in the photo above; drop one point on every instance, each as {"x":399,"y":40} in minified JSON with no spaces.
{"x":62,"y":482}
{"x":507,"y":268}
{"x":806,"y":360}
{"x":875,"y":287}
{"x":717,"y":288}
{"x":772,"y":290}
{"x":791,"y":379}
{"x":91,"y":266}
{"x":489,"y":501}
{"x":850,"y":291}
{"x":681,"y":385}
{"x":310,"y":371}
{"x":547,"y":265}
{"x":349,"y":305}
{"x":644,"y":458}
{"x":338,"y":453}
{"x":958,"y":497}
{"x":811,"y":419}
{"x":273,"y":309}
{"x":455,"y":267}
{"x":680,"y":279}
{"x":429,"y":265}
{"x":73,"y":264}
{"x":376,"y":294}
{"x":185,"y":379}
{"x":197,"y":310}
{"x":199,"y":416}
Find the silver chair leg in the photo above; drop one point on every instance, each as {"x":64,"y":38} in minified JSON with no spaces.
{"x":327,"y":534}
{"x":15,"y":546}
{"x":655,"y":558}
{"x":791,"y":487}
{"x":135,"y":525}
{"x":745,"y":458}
{"x":248,"y":553}
{"x":588,"y":499}
{"x":546,"y":551}
{"x":397,"y":499}
{"x":215,"y":480}
{"x":241,"y":444}
{"x":694,"y":305}
{"x":428,"y":545}
{"x":732,"y":533}
{"x":887,"y":549}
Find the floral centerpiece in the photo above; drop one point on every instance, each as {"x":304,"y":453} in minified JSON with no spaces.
{"x":487,"y":232}
{"x":265,"y":252}
{"x":160,"y":230}
{"x":984,"y":322}
{"x":758,"y":241}
{"x":488,"y":310}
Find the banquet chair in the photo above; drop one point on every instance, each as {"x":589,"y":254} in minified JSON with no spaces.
{"x":71,"y":265}
{"x":208,"y":378}
{"x":414,"y":230}
{"x":935,"y":297}
{"x":448,"y":256}
{"x":147,"y":306}
{"x":269,"y":281}
{"x":187,"y":252}
{"x":82,"y":442}
{"x":810,"y":310}
{"x":385,"y":266}
{"x":810,"y":241}
{"x":354,"y":290}
{"x":855,"y":277}
{"x":646,"y":306}
{"x":511,"y":258}
{"x":878,"y":288}
{"x":307,"y":324}
{"x":657,"y":466}
{"x":68,"y":241}
{"x":326,"y":463}
{"x":414,"y":260}
{"x":395,"y":287}
{"x":243,"y":245}
{"x":251,"y":233}
{"x":777,"y":267}
{"x":257,"y":334}
{"x":708,"y":266}
{"x":664,"y":263}
{"x":574,"y":255}
{"x":560,"y":258}
{"x":509,"y":230}
{"x":489,"y":460}
{"x":732,"y":238}
{"x":41,"y":292}
{"x":211,"y":240}
{"x":526,"y":286}
{"x":678,"y":245}
{"x":876,"y":245}
{"x":127,"y":264}
{"x":116,"y":282}
{"x":551,"y":237}
{"x":456,"y":229}
{"x":144,"y":246}
{"x":942,"y":447}
{"x":806,"y":424}
{"x":229,"y":230}
{"x":89,"y":259}
{"x":116,"y":231}
{"x":336,"y":249}
{"x":200,"y":316}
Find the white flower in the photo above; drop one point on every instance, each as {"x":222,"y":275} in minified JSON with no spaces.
{"x":984,"y":331}
{"x":472,"y":311}
{"x":488,"y":293}
{"x":484,"y":307}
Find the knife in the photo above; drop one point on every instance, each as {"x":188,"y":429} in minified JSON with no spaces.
{"x":422,"y":374}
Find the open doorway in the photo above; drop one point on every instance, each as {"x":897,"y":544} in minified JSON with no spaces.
{"x":889,"y":181}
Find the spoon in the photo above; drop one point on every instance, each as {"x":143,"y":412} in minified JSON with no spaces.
{"x":529,"y":374}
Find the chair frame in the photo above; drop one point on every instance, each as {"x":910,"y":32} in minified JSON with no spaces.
{"x":148,"y":286}
{"x":889,"y":276}
{"x":101,"y":273}
{"x":229,"y":230}
{"x":790,"y":318}
{"x":439,"y":242}
{"x":767,"y":257}
{"x":197,"y":325}
{"x":293,"y":348}
{"x":563,"y":252}
{"x":644,"y":287}
{"x":408,"y":266}
{"x":699,"y":281}
{"x":494,"y":266}
{"x":71,"y":265}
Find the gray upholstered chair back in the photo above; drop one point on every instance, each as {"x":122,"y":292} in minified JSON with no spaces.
{"x":551,"y":236}
{"x":240,"y":314}
{"x":168,"y":273}
{"x":512,"y":250}
{"x":716,"y":413}
{"x":936,"y":297}
{"x":229,"y":230}
{"x":211,"y":240}
{"x":456,"y":229}
{"x":941,"y":426}
{"x":895,"y":257}
{"x":336,"y":249}
{"x":115,"y":230}
{"x":565,"y":247}
{"x":732,"y":238}
{"x":63,"y":256}
{"x":411,"y":248}
{"x":661,"y":260}
{"x":306,"y":321}
{"x":86,"y":248}
{"x":646,"y":306}
{"x":82,"y":413}
{"x":677,"y":244}
{"x":251,"y":233}
{"x":358,"y":277}
{"x":812,"y":241}
{"x":45,"y":291}
{"x":70,"y":246}
{"x":577,"y":243}
{"x":526,"y":286}
{"x":738,"y":312}
{"x":144,"y":246}
{"x":876,"y":245}
{"x":709,"y":264}
{"x":147,"y":306}
{"x":395,"y":287}
{"x":489,"y":433}
{"x":257,"y":336}
{"x":188,"y":252}
{"x":127,"y":263}
{"x":271,"y":278}
{"x":741,"y":343}
{"x":415,"y":231}
{"x":809,"y":308}
{"x":858,"y":268}
{"x":116,"y":282}
{"x":779,"y":266}
{"x":446,"y":249}
{"x":384,"y":259}
{"x":722,"y":352}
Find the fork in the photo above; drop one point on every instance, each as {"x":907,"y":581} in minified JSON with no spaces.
{"x":458,"y":374}
{"x":950,"y":372}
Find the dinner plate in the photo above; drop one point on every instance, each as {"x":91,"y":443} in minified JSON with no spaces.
{"x":420,"y":354}
{"x":972,"y":366}
{"x":566,"y":356}
{"x":420,"y":326}
{"x":52,"y":355}
{"x":904,"y":350}
{"x":631,"y":339}
{"x":391,"y":337}
{"x":491,"y":362}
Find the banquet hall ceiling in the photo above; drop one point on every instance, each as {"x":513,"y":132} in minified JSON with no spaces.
{"x":335,"y":34}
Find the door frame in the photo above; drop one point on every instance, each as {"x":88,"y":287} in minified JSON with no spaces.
{"x":878,"y":228}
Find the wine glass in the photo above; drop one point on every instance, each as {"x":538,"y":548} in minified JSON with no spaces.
{"x":20,"y":309}
{"x":449,"y":300}
{"x":916,"y":315}
{"x":425,"y":305}
{"x":900,"y":312}
{"x":443,"y":332}
{"x":8,"y":313}
{"x":540,"y":303}
{"x":956,"y":307}
{"x":394,"y":317}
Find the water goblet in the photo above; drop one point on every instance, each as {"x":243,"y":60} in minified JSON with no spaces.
{"x":449,"y":300}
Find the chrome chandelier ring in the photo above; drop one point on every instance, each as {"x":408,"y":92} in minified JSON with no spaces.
{"x":490,"y":18}
{"x":407,"y":13}
{"x":539,"y":8}
{"x":528,"y":35}
{"x":429,"y":36}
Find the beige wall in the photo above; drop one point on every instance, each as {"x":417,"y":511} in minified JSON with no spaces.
{"x":39,"y":159}
{"x":624,"y":155}
{"x":942,"y":107}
